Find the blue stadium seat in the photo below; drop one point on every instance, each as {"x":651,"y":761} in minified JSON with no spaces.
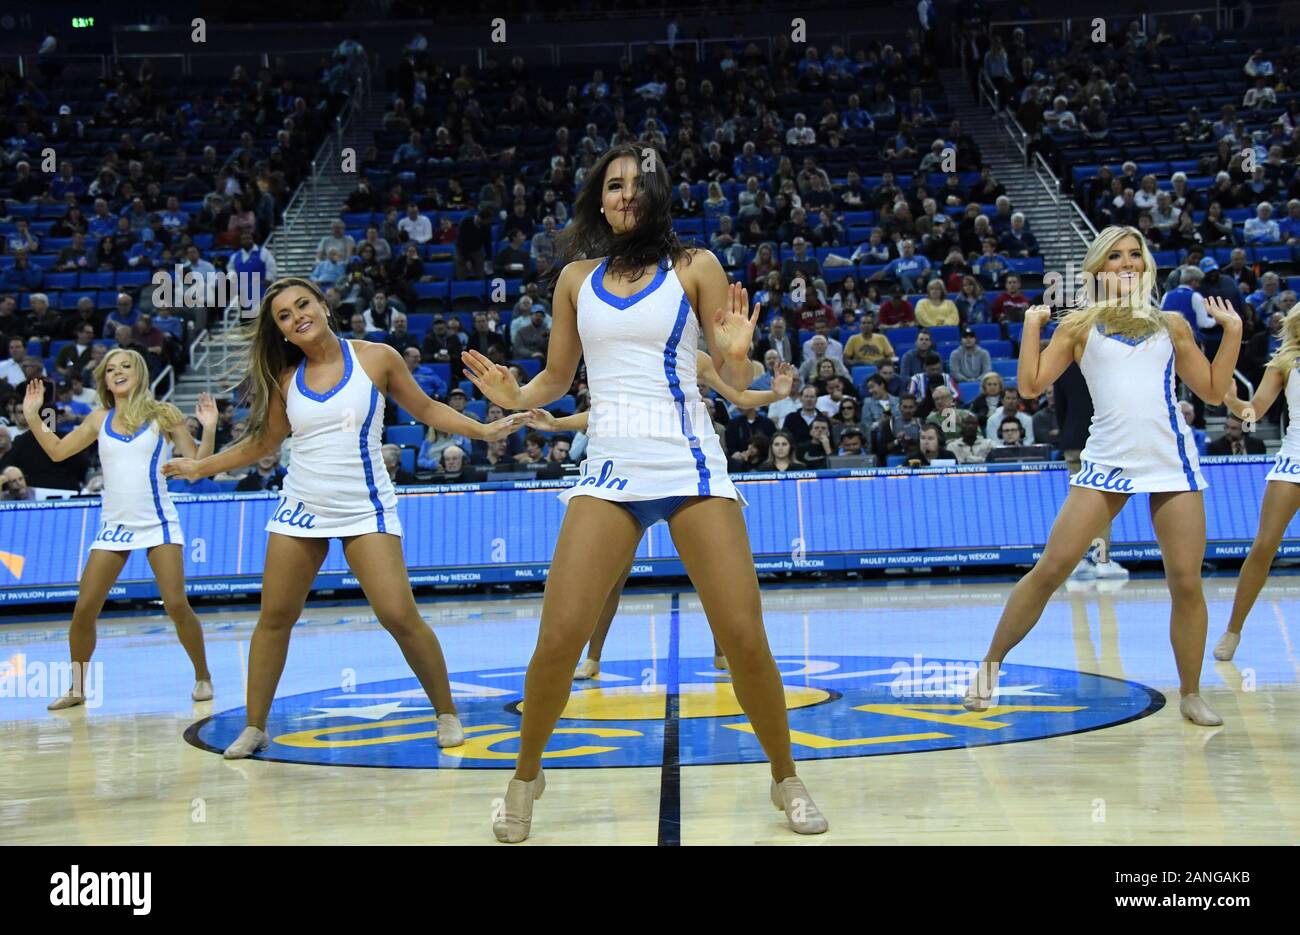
{"x":432,"y":290}
{"x":529,"y":365}
{"x":1025,"y":264}
{"x":564,"y":406}
{"x":477,"y":408}
{"x":894,"y":460}
{"x":1280,"y":253}
{"x":988,"y":332}
{"x":997,"y":349}
{"x":95,"y":280}
{"x":405,"y":434}
{"x":408,"y":460}
{"x":402,"y":416}
{"x":944,"y":334}
{"x":861,"y":372}
{"x":131,"y":278}
{"x":968,"y":390}
{"x":1007,"y":368}
{"x":467,"y":289}
{"x":61,"y":281}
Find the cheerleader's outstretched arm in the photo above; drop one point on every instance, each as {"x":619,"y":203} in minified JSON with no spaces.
{"x":59,"y":448}
{"x":1210,"y":381}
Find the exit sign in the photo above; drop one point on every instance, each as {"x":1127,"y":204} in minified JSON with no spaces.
{"x":83,"y":22}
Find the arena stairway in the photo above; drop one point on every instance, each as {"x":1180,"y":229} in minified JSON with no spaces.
{"x":216,"y":359}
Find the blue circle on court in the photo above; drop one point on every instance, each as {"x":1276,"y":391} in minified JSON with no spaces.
{"x":639,"y":714}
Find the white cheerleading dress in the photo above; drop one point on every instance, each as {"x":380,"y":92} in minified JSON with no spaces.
{"x":1286,"y":466}
{"x":1138,"y":441}
{"x":136,"y":511}
{"x":337,"y":484}
{"x":650,"y":435}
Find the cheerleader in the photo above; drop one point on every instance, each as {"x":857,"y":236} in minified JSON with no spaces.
{"x":135,"y":433}
{"x":329,"y":392}
{"x":1128,"y":351}
{"x":540,"y":419}
{"x":633,"y":306}
{"x":1282,"y":487}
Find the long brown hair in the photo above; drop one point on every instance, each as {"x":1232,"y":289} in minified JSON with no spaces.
{"x":588,"y":235}
{"x":269,"y":355}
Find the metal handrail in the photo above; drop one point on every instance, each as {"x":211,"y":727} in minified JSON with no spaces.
{"x":232,"y":343}
{"x":198,"y":349}
{"x":171,"y":387}
{"x":1069,"y":214}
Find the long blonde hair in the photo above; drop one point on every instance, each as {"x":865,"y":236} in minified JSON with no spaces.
{"x":1288,"y":355}
{"x":140,"y":408}
{"x":1136,"y":315}
{"x":269,"y":355}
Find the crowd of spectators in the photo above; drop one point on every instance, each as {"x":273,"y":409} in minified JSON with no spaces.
{"x":891,"y":264}
{"x":151,"y":172}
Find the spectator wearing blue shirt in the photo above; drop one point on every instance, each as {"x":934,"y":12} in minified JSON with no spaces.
{"x":1262,"y":229}
{"x":22,"y":276}
{"x":911,"y":271}
{"x":102,"y":223}
{"x":1267,"y":299}
{"x":329,"y":271}
{"x":425,"y":376}
{"x":168,"y":323}
{"x":124,"y":313}
{"x":748,"y":163}
{"x":854,"y":117}
{"x":1289,"y":226}
{"x":1258,"y":65}
{"x":22,"y":238}
{"x":144,"y":253}
{"x":1188,"y":302}
{"x":66,"y":184}
{"x":174,"y":219}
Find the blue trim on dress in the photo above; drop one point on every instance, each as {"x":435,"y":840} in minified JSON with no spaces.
{"x":366,"y":461}
{"x":1131,"y":342}
{"x":108,"y":427}
{"x":157,"y":498}
{"x":675,"y":387}
{"x":301,"y":378}
{"x":1173,"y":424}
{"x":622,"y":302}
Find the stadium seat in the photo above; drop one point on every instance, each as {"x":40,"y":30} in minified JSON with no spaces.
{"x":405,"y":435}
{"x":861,"y":372}
{"x":564,"y":406}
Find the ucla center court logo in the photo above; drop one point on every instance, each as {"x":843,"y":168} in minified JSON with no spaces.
{"x":839,"y":706}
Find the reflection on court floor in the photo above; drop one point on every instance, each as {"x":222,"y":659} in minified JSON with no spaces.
{"x":1081,"y":746}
